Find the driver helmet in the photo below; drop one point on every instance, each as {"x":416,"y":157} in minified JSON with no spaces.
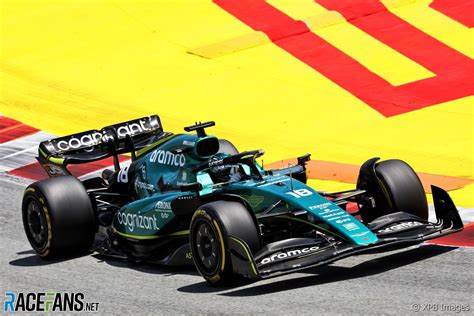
{"x":225,"y":173}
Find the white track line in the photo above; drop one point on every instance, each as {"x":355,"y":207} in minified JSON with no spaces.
{"x":21,"y":151}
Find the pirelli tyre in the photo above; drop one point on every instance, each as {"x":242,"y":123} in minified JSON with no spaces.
{"x":210,"y":228}
{"x":402,"y":188}
{"x":58,"y":217}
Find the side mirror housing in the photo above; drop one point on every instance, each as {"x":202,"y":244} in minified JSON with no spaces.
{"x":302,"y":160}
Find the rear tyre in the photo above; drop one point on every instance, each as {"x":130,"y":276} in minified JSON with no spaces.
{"x":399,"y":190}
{"x":58,"y":217}
{"x":211,"y":226}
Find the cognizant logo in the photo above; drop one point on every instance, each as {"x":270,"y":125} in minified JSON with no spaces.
{"x":95,"y":138}
{"x":140,"y":221}
{"x":79,"y":142}
{"x":133,"y":129}
{"x":288,"y":254}
{"x":47,"y":302}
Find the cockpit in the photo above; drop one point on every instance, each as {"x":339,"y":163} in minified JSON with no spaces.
{"x":224,"y":169}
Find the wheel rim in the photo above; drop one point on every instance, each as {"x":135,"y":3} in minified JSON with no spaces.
{"x":207,"y":247}
{"x":36,"y":221}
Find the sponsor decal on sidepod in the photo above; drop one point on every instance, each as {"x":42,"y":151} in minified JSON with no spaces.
{"x":163,"y":205}
{"x":140,"y":221}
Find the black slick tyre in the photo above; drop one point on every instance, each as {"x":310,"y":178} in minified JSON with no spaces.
{"x":402,"y":188}
{"x":58,"y":217}
{"x":210,"y":228}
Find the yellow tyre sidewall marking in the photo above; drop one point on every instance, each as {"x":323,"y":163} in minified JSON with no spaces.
{"x":48,"y":222}
{"x":221,"y":239}
{"x":204,"y":214}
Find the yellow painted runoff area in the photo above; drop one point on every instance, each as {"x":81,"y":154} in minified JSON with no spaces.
{"x":438,"y":25}
{"x":299,"y":9}
{"x":68,"y":66}
{"x":370,"y":52}
{"x":232,"y":45}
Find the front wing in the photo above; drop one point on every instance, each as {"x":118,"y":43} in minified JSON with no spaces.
{"x":394,"y":231}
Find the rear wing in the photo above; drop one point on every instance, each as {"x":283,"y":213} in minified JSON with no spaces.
{"x":127,"y":137}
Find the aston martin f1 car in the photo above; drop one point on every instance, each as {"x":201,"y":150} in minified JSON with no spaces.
{"x":195,"y":199}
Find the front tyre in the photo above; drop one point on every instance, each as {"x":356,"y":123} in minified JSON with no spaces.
{"x":58,"y":217}
{"x":211,"y":226}
{"x":403,"y":188}
{"x":394,"y":186}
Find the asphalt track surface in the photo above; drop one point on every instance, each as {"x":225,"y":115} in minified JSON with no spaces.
{"x":389,"y":283}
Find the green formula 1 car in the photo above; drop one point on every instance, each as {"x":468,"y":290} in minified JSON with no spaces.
{"x":195,"y":199}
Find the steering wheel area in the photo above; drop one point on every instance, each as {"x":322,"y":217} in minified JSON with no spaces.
{"x":230,"y":169}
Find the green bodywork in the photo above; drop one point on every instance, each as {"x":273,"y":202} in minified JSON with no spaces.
{"x":170,"y":163}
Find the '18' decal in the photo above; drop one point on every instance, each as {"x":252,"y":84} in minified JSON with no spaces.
{"x":300,"y":193}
